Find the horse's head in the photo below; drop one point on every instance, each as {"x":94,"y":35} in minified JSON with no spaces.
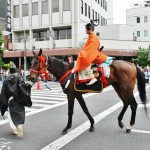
{"x":39,"y":62}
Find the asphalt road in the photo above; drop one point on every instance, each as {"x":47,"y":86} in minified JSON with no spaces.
{"x":48,"y":116}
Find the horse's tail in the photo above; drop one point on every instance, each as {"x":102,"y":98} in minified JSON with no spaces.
{"x":141,"y":87}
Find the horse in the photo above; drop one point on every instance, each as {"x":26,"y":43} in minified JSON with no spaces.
{"x":123,"y":76}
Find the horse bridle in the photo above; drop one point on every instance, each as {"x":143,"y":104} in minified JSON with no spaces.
{"x":43,"y":61}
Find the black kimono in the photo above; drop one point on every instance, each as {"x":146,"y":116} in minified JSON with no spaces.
{"x":16,"y":94}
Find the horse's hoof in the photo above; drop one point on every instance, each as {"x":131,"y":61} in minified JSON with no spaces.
{"x":64,"y":132}
{"x":121,"y":125}
{"x":91,"y":129}
{"x":128,"y":130}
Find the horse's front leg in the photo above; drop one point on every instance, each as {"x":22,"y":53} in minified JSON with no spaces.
{"x":71,"y":99}
{"x":85,"y":109}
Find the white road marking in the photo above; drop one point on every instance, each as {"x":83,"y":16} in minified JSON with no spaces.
{"x":140,"y":131}
{"x":48,"y":98}
{"x":49,"y":102}
{"x":59,"y":143}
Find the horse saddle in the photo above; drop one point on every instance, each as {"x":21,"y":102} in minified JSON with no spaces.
{"x":97,"y":87}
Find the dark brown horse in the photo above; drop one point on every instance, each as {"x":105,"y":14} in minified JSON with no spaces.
{"x":123,"y":76}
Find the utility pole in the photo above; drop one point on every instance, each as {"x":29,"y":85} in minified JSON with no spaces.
{"x":25,"y":59}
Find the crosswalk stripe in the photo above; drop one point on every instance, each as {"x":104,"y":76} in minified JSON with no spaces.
{"x":49,"y":102}
{"x":51,"y":94}
{"x":40,"y":105}
{"x":48,"y":98}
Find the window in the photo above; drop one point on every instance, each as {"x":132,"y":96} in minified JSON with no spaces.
{"x":63,"y":33}
{"x":89,"y":12}
{"x":138,"y":20}
{"x":105,"y":7}
{"x":98,"y":19}
{"x":66,"y":5}
{"x":16,"y":11}
{"x":45,"y":7}
{"x":145,"y":18}
{"x":40,"y":35}
{"x":101,"y":3}
{"x":25,"y":10}
{"x":93,"y":13}
{"x":55,"y":5}
{"x":35,"y":8}
{"x":145,"y":33}
{"x":98,"y":1}
{"x":81,"y":7}
{"x":138,"y":33}
{"x":69,"y":34}
{"x":85,"y":9}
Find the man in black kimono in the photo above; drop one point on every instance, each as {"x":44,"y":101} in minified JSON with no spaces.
{"x":15,"y":94}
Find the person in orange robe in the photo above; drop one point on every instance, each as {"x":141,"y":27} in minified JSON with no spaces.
{"x":89,"y":54}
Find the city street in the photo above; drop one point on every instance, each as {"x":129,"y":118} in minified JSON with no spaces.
{"x":49,"y":114}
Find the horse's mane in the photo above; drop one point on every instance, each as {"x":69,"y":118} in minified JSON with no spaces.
{"x":57,"y":62}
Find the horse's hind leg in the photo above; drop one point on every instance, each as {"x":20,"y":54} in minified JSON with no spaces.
{"x":133,"y":105}
{"x":71,"y":99}
{"x":85,"y":109}
{"x":120,"y":117}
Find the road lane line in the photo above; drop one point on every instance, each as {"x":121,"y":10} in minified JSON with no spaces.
{"x":140,"y":131}
{"x":49,"y":102}
{"x":59,"y":143}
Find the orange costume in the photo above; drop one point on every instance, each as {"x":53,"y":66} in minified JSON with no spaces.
{"x":90,"y":54}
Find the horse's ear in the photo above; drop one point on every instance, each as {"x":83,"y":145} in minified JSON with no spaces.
{"x":40,"y":52}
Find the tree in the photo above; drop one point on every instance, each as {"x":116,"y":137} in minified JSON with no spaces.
{"x":1,"y":48}
{"x":143,"y":58}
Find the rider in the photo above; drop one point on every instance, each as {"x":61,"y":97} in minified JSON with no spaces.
{"x":88,"y":55}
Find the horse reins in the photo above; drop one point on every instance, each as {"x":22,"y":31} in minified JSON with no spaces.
{"x":41,"y":70}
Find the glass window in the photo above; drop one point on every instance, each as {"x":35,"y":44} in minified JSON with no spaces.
{"x":16,"y":11}
{"x":25,"y":10}
{"x":105,"y":5}
{"x":35,"y":36}
{"x":138,"y":33}
{"x":145,"y":18}
{"x":145,"y":33}
{"x":138,"y":20}
{"x":93,"y":13}
{"x":62,"y":34}
{"x":66,"y":5}
{"x":40,"y":35}
{"x":85,"y":9}
{"x":89,"y":12}
{"x":45,"y":7}
{"x":55,"y":5}
{"x":35,"y":8}
{"x":69,"y":35}
{"x":98,"y":1}
{"x":101,"y":3}
{"x":99,"y":19}
{"x":81,"y":7}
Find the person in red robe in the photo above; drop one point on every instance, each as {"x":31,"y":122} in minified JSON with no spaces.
{"x":89,"y":54}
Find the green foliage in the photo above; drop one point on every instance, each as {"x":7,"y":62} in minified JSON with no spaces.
{"x":143,"y":58}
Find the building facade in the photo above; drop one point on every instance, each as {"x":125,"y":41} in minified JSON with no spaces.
{"x":50,"y":24}
{"x":139,"y":17}
{"x":5,"y":13}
